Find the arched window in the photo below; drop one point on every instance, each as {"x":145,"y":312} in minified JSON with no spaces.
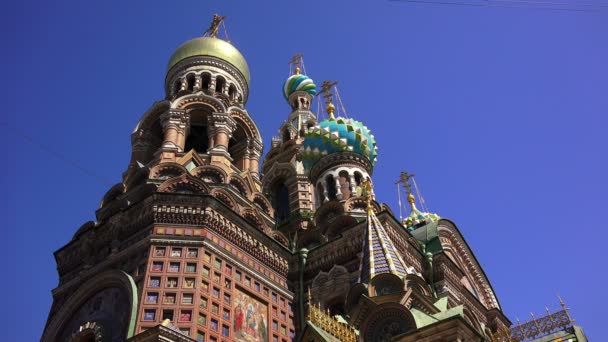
{"x":177,"y":87}
{"x":237,"y":147}
{"x":286,"y":135}
{"x":191,"y":79}
{"x":198,"y":137}
{"x":331,"y":187}
{"x":206,"y":81}
{"x":358,"y":178}
{"x":232,"y":92}
{"x":344,"y":184}
{"x":219,"y":84}
{"x":280,"y":202}
{"x":320,"y":195}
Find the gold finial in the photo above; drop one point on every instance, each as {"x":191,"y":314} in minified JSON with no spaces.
{"x":214,"y":27}
{"x":297,"y":61}
{"x":404,"y":179}
{"x":328,"y":96}
{"x":367,"y":192}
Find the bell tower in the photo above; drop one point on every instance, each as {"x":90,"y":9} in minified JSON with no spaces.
{"x":285,"y":181}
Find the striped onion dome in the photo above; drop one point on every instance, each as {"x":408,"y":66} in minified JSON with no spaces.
{"x":299,"y":82}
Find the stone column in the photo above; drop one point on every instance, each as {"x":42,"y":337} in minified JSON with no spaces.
{"x":338,"y":187}
{"x":221,"y":126}
{"x":175,"y":123}
{"x":255,"y":153}
{"x":212,"y":84}
{"x":353,"y":185}
{"x":325,"y":192}
{"x":198,"y":81}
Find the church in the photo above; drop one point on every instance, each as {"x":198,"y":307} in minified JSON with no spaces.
{"x":207,"y":239}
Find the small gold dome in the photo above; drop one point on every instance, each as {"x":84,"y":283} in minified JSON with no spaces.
{"x":214,"y":47}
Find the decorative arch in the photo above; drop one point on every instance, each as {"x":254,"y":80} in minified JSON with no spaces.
{"x":280,"y":237}
{"x":90,"y":331}
{"x":137,"y":178}
{"x":386,"y":321}
{"x":250,"y":216}
{"x":112,"y":194}
{"x":415,"y":282}
{"x":96,"y":284}
{"x":188,"y":101}
{"x":385,"y":284}
{"x":339,"y":224}
{"x":238,"y":183}
{"x":359,"y":204}
{"x":262,"y":202}
{"x":453,"y":242}
{"x":225,"y":197}
{"x":354,"y":295}
{"x":210,"y":174}
{"x":152,"y":115}
{"x":243,"y":119}
{"x":328,"y":211}
{"x":311,"y":240}
{"x":184,"y":184}
{"x":331,"y":288}
{"x":472,"y":319}
{"x":166,"y":171}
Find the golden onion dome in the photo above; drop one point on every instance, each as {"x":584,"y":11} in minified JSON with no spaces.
{"x":213,"y":47}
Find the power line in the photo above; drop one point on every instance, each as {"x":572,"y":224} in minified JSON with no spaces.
{"x":57,"y":155}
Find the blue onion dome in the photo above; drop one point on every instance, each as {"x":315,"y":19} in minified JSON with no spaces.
{"x":338,"y":135}
{"x":298,"y":82}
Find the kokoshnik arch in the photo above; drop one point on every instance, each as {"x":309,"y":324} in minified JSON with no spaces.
{"x":195,"y":244}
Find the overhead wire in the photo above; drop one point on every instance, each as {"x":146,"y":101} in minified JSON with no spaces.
{"x":340,"y":100}
{"x":59,"y":156}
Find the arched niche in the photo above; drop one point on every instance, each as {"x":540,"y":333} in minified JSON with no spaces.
{"x":387,"y":321}
{"x":109,"y":300}
{"x":198,"y":134}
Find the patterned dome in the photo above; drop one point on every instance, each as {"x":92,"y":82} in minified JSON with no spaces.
{"x":416,"y":216}
{"x":299,"y":82}
{"x":338,"y":135}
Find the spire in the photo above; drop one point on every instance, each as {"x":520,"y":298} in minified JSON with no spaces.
{"x":298,"y":62}
{"x":379,"y":253}
{"x":328,"y":96}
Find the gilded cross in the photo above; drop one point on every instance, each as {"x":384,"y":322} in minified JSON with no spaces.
{"x":404,"y":179}
{"x":215,"y":26}
{"x":326,"y":90}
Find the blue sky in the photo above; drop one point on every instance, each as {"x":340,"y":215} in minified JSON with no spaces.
{"x":501,"y":113}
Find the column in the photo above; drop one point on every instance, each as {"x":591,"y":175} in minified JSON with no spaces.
{"x":338,"y":187}
{"x":197,"y":83}
{"x":221,"y":126}
{"x":255,"y":153}
{"x":353,"y":185}
{"x":174,"y":123}
{"x":325,"y":192}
